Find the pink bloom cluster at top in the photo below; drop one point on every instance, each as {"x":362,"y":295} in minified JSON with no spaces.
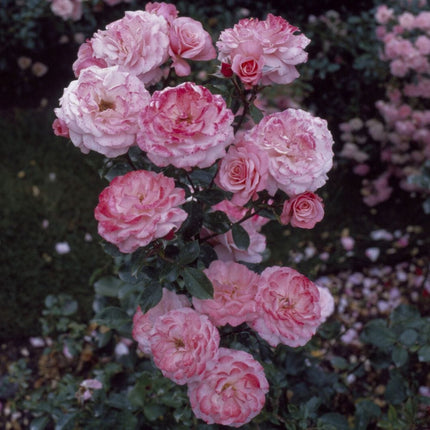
{"x":262,"y":52}
{"x":225,"y":386}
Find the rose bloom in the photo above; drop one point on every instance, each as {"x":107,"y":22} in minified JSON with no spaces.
{"x":138,"y":43}
{"x":67,"y":9}
{"x":232,"y":393}
{"x":101,"y":109}
{"x":60,"y":128}
{"x":166,"y":10}
{"x":183,"y":343}
{"x":188,"y":40}
{"x":243,"y":171}
{"x":139,"y":207}
{"x":288,"y":307}
{"x":299,"y":148}
{"x":224,"y":245}
{"x":235,"y":287}
{"x":326,"y":303}
{"x":186,"y":126}
{"x":86,"y":58}
{"x":303,"y":211}
{"x":143,"y":323}
{"x":276,"y":50}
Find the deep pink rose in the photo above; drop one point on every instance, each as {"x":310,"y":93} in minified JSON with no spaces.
{"x":166,"y":10}
{"x":235,"y":287}
{"x":224,"y":245}
{"x":60,"y":128}
{"x":188,"y":40}
{"x":232,"y":393}
{"x":183,"y":343}
{"x":137,"y":43}
{"x":263,"y":52}
{"x":86,"y":58}
{"x":143,"y":323}
{"x":299,"y":148}
{"x":101,"y":109}
{"x":288,"y":307}
{"x":243,"y":171}
{"x":139,"y":207}
{"x":186,"y":126}
{"x":303,"y":211}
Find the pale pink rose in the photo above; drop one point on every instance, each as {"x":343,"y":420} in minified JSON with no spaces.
{"x":138,"y":43}
{"x":384,"y":14}
{"x":303,"y":211}
{"x":186,"y":126}
{"x":86,"y":58}
{"x":288,"y":307}
{"x":183,"y":344}
{"x":139,"y":207}
{"x":60,"y":128}
{"x":243,"y":171}
{"x":143,"y":323}
{"x":101,"y":110}
{"x":67,"y":9}
{"x":235,"y":287}
{"x":232,"y":393}
{"x":224,"y":245}
{"x":189,"y":41}
{"x":276,"y":49}
{"x":86,"y":389}
{"x":423,"y":44}
{"x":166,"y":10}
{"x":326,"y":303}
{"x":406,"y":20}
{"x":299,"y":148}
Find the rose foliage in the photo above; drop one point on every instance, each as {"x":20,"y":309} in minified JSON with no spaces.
{"x":194,"y":177}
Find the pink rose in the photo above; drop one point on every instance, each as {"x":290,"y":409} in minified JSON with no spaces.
{"x":299,"y":148}
{"x":232,"y":393}
{"x":139,"y":207}
{"x":326,"y":303}
{"x":288,"y":307}
{"x":86,"y":58}
{"x":235,"y":287}
{"x":243,"y":171}
{"x":183,"y":343}
{"x":138,"y":43}
{"x":166,"y":10}
{"x":101,"y":109}
{"x":303,"y":211}
{"x":67,"y":9}
{"x":60,"y":128}
{"x":224,"y":245}
{"x":188,"y":40}
{"x":267,"y":51}
{"x":186,"y":126}
{"x":143,"y":323}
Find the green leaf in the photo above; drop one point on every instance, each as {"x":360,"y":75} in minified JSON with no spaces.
{"x":39,"y":423}
{"x":115,"y":318}
{"x":395,"y":391}
{"x":333,"y":421}
{"x":150,"y":296}
{"x":197,"y":283}
{"x":66,"y":421}
{"x":153,"y":411}
{"x":255,"y":113}
{"x":188,"y":253}
{"x":108,"y":286}
{"x":424,"y":353}
{"x":193,"y":224}
{"x":217,"y":222}
{"x":240,"y":236}
{"x":339,"y":363}
{"x":377,"y":333}
{"x":399,"y":356}
{"x":211,"y":196}
{"x":365,"y":411}
{"x":408,"y":337}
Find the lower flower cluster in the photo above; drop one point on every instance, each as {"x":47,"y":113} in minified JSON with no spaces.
{"x":227,"y":386}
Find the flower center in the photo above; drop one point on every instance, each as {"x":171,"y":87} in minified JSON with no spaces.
{"x":105,"y":105}
{"x":179,"y":343}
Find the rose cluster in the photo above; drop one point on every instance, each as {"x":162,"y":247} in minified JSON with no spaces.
{"x":184,"y":134}
{"x":227,"y":386}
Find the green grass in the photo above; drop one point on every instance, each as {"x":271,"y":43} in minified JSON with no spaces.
{"x":44,"y":179}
